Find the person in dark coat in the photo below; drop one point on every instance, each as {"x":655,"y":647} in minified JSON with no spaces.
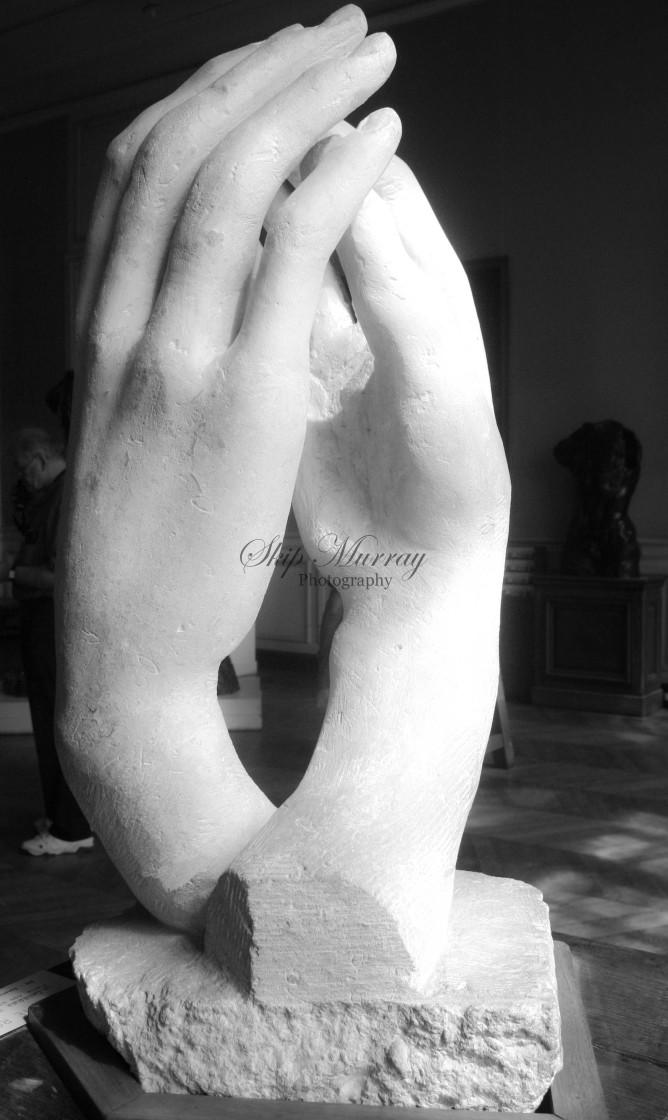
{"x":40,"y":460}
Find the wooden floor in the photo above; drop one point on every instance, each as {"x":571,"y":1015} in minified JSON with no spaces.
{"x":583,"y":815}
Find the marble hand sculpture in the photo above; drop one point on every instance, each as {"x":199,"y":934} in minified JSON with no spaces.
{"x":221,"y":380}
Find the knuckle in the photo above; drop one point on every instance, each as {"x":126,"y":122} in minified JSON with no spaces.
{"x":209,"y":72}
{"x":189,"y":250}
{"x":102,"y":347}
{"x":143,"y":174}
{"x":162,"y":362}
{"x":148,"y":155}
{"x":95,"y":348}
{"x":118,"y":156}
{"x":122,"y":150}
{"x":211,"y":106}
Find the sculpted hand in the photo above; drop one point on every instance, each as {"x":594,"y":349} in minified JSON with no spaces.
{"x":401,"y":449}
{"x":190,"y":424}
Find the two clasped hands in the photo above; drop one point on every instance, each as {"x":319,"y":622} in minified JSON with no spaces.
{"x":221,"y":383}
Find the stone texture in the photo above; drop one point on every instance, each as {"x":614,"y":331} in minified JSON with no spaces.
{"x":485,"y":1035}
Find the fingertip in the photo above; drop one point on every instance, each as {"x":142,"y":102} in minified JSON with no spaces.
{"x":384,"y":120}
{"x":383,"y":125}
{"x":379,"y":45}
{"x":349,"y":13}
{"x":343,"y":31}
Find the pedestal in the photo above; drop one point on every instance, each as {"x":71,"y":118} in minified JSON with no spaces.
{"x":598,"y":644}
{"x":100,"y":1081}
{"x":486,"y":1034}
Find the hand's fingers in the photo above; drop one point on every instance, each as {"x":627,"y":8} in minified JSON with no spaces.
{"x":116,"y":172}
{"x":404,"y":314}
{"x":423,"y":236}
{"x":282,"y":195}
{"x":419,"y":228}
{"x":427,"y":244}
{"x":334,"y":312}
{"x":301,"y":238}
{"x":214,"y":245}
{"x":390,"y":295}
{"x":171,"y":156}
{"x":380,"y":232}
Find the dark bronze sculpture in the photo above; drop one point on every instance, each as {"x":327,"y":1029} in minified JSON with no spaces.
{"x":605,"y":459}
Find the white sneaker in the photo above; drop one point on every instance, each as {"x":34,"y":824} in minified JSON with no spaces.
{"x":48,"y":845}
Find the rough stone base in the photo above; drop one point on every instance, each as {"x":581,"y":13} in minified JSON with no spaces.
{"x":486,"y":1036}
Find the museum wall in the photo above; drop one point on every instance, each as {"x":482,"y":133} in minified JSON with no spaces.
{"x":33,"y":302}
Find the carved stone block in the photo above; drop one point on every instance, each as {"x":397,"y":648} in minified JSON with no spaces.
{"x":485,"y":1035}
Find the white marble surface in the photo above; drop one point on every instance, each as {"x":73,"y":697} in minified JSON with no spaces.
{"x":486,"y":1035}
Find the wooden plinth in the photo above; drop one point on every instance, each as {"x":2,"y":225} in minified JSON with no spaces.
{"x":598,"y":644}
{"x":104,"y":1087}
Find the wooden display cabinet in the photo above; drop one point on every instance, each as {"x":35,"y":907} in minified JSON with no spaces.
{"x":598,"y":643}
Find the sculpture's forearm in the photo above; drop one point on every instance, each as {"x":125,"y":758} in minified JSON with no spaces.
{"x":377,"y":820}
{"x":162,"y":786}
{"x":408,"y":680}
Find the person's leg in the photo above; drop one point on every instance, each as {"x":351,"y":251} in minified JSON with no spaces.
{"x":36,"y":670}
{"x":38,"y":650}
